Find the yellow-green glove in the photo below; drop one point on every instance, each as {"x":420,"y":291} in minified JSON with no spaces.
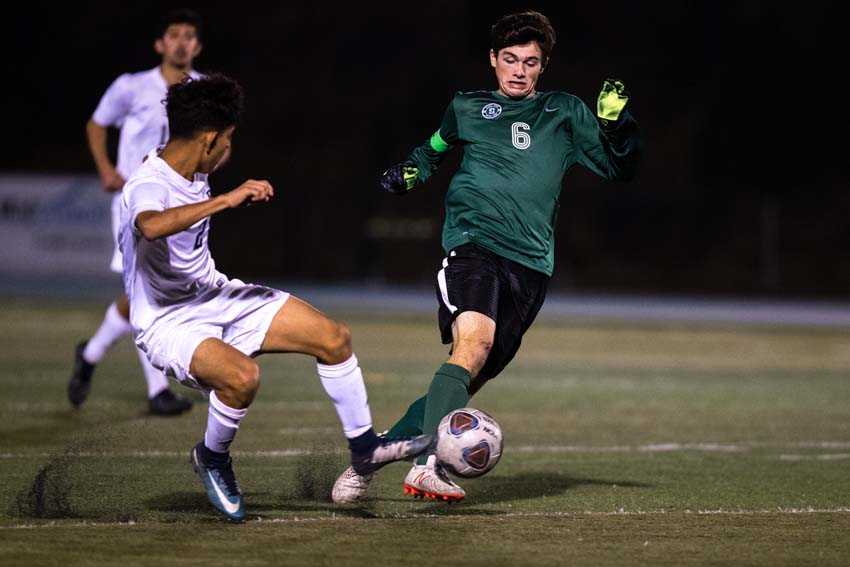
{"x":612,"y":99}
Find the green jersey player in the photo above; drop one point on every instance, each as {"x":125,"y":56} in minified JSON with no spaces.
{"x":501,"y":208}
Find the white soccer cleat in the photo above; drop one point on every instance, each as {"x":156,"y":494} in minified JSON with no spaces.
{"x":350,"y":487}
{"x":431,"y":481}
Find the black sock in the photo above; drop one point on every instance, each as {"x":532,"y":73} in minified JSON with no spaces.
{"x":363,"y":443}
{"x":213,"y":458}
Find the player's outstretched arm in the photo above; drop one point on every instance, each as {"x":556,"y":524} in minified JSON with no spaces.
{"x":609,"y":142}
{"x":424,"y":160}
{"x":160,"y":224}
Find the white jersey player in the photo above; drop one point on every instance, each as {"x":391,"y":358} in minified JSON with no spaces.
{"x":134,"y":104}
{"x":173,"y":282}
{"x":202,"y":328}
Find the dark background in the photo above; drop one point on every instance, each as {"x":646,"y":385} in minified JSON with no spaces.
{"x":743,"y":188}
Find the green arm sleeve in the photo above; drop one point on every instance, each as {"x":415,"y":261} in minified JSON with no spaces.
{"x":611,"y":149}
{"x":428,"y":156}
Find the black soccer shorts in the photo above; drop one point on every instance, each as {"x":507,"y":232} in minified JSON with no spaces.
{"x":473,"y":278}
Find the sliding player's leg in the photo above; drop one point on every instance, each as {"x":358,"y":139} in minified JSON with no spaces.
{"x":445,"y":387}
{"x":480,"y":347}
{"x":472,"y":340}
{"x":473,"y":335}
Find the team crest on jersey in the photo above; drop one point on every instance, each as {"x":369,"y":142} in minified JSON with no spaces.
{"x":491,"y":111}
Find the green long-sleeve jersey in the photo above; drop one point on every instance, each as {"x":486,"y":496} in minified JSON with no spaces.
{"x":505,"y":195}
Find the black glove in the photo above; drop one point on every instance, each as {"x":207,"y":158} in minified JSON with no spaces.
{"x":399,"y":179}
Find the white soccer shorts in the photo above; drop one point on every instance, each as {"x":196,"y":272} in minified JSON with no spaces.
{"x":237,"y":313}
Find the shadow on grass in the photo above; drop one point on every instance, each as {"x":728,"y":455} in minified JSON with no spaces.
{"x":196,"y":502}
{"x":524,"y":486}
{"x":194,"y":506}
{"x":488,"y":490}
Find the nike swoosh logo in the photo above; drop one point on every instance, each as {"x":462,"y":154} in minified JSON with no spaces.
{"x":229,"y":506}
{"x":547,"y":109}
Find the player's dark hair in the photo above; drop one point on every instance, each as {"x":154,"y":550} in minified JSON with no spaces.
{"x":209,"y":104}
{"x":522,"y":28}
{"x":180,"y":16}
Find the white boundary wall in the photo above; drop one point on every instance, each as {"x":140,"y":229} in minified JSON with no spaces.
{"x":54,"y":225}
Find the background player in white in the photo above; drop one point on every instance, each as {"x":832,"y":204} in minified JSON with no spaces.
{"x":203,"y":328}
{"x":134,"y":103}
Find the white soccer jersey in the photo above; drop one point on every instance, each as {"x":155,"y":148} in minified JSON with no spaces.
{"x":165,"y":274}
{"x":134,"y":103}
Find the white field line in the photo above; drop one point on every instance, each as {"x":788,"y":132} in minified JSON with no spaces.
{"x":465,"y":517}
{"x":652,"y":448}
{"x":742,"y":447}
{"x":159,"y":454}
{"x":822,"y":457}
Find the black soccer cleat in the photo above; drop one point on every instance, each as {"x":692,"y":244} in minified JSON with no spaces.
{"x":389,"y":451}
{"x":80,"y":383}
{"x":168,"y":403}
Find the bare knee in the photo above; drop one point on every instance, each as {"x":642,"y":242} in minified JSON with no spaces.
{"x":243,"y":384}
{"x":337,"y":344}
{"x":472,"y":353}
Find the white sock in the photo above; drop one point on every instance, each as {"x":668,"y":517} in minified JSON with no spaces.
{"x":222,"y":424}
{"x":157,"y":382}
{"x":344,"y":384}
{"x":113,"y":327}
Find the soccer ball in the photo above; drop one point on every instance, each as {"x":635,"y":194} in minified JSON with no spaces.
{"x":469,"y":442}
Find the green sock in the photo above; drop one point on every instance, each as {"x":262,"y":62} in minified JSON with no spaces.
{"x":449,"y":391}
{"x":410,"y":423}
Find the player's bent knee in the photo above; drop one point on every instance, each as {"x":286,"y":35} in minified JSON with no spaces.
{"x":249,"y":377}
{"x":337,"y":347}
{"x":484,"y":346}
{"x":245,"y":382}
{"x":341,"y":343}
{"x":472,"y":354}
{"x":478,"y":349}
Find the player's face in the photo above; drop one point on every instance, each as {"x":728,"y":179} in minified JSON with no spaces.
{"x":217,"y":149}
{"x":517,"y":68}
{"x":179,"y":45}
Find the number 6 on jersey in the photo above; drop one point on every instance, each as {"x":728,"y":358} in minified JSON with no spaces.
{"x":520,"y":136}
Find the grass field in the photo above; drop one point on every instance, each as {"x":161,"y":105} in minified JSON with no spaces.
{"x":625,"y":444}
